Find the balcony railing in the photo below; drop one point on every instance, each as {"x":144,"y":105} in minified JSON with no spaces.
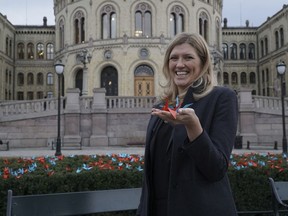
{"x":14,"y":110}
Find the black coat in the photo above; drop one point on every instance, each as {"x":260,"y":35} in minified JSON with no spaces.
{"x":198,"y":185}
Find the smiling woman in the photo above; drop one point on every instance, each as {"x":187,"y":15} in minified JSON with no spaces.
{"x":189,"y":137}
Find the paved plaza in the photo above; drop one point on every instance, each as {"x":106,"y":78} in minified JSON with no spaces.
{"x":30,"y":152}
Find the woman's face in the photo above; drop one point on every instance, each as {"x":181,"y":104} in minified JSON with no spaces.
{"x":184,"y":66}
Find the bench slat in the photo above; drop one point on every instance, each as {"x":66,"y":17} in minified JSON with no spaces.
{"x":74,"y":203}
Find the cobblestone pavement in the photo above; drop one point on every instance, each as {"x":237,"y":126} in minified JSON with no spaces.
{"x":30,"y":152}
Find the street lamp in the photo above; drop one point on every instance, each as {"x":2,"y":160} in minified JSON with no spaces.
{"x":85,"y":57}
{"x":59,"y":68}
{"x":281,"y":68}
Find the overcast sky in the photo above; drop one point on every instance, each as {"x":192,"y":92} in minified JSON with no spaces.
{"x":256,"y":11}
{"x":31,"y":12}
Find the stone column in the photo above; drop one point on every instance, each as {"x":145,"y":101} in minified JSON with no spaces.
{"x":247,"y":116}
{"x":72,"y":138}
{"x":99,"y":118}
{"x":85,"y":80}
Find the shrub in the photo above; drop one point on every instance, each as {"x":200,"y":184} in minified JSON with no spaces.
{"x":248,"y":175}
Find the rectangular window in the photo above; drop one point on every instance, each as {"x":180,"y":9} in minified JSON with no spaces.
{"x":30,"y":96}
{"x":20,"y":96}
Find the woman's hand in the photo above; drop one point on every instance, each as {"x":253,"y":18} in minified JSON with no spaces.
{"x":185,"y":116}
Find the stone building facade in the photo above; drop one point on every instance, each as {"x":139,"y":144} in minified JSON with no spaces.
{"x":126,"y":41}
{"x":119,"y":46}
{"x":7,"y":73}
{"x":251,"y":54}
{"x":26,"y":61}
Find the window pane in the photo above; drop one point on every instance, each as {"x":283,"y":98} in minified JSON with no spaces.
{"x":138,"y":24}
{"x":39,"y":79}
{"x":113,"y":25}
{"x":50,"y":51}
{"x":40,"y":51}
{"x":105,"y":26}
{"x":180,"y":24}
{"x":49,"y":79}
{"x":147,"y":24}
{"x":30,"y":51}
{"x":30,"y":79}
{"x":20,"y":49}
{"x":172,"y":25}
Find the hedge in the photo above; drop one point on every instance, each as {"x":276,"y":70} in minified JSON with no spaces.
{"x":248,"y":175}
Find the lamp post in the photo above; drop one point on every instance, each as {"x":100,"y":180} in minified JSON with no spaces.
{"x":281,"y":68}
{"x":85,"y":57}
{"x":59,"y":68}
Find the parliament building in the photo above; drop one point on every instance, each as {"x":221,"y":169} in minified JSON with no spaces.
{"x":119,"y":45}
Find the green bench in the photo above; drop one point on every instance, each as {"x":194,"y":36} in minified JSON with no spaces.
{"x":73,"y":203}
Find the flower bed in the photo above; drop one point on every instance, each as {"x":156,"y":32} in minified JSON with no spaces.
{"x":18,"y":167}
{"x":248,"y":175}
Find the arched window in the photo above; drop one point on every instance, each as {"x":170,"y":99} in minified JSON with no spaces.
{"x":49,"y":94}
{"x":251,"y":52}
{"x":20,"y":96}
{"x":218,"y":33}
{"x":225,"y":50}
{"x":30,"y":79}
{"x":243,"y":78}
{"x":79,"y":27}
{"x":267,"y":75}
{"x":252,"y":78}
{"x":242,"y":51}
{"x":281,"y":37}
{"x":40,"y":95}
{"x":10,"y":77}
{"x":266,"y":46}
{"x":203,"y":25}
{"x":143,"y":20}
{"x":7,"y":46}
{"x":20,"y":50}
{"x":234,"y":78}
{"x":50,"y":79}
{"x":30,"y":51}
{"x":109,"y":80}
{"x":40,"y":80}
{"x":262,"y":48}
{"x":277,"y":40}
{"x":144,"y":81}
{"x":50,"y":51}
{"x":109,"y":20}
{"x":79,"y":80}
{"x":40,"y":51}
{"x":30,"y":95}
{"x":61,"y":34}
{"x":6,"y":76}
{"x":10,"y":50}
{"x":233,"y":51}
{"x":176,"y":20}
{"x":20,"y":79}
{"x":226,"y":78}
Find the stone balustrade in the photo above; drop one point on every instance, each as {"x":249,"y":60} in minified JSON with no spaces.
{"x":118,"y":120}
{"x":268,"y":104}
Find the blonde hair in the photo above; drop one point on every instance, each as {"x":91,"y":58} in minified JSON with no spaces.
{"x":206,"y":80}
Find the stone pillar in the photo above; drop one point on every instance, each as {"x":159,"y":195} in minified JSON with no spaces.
{"x":99,"y":118}
{"x":247,"y":116}
{"x":72,"y":138}
{"x":85,"y":80}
